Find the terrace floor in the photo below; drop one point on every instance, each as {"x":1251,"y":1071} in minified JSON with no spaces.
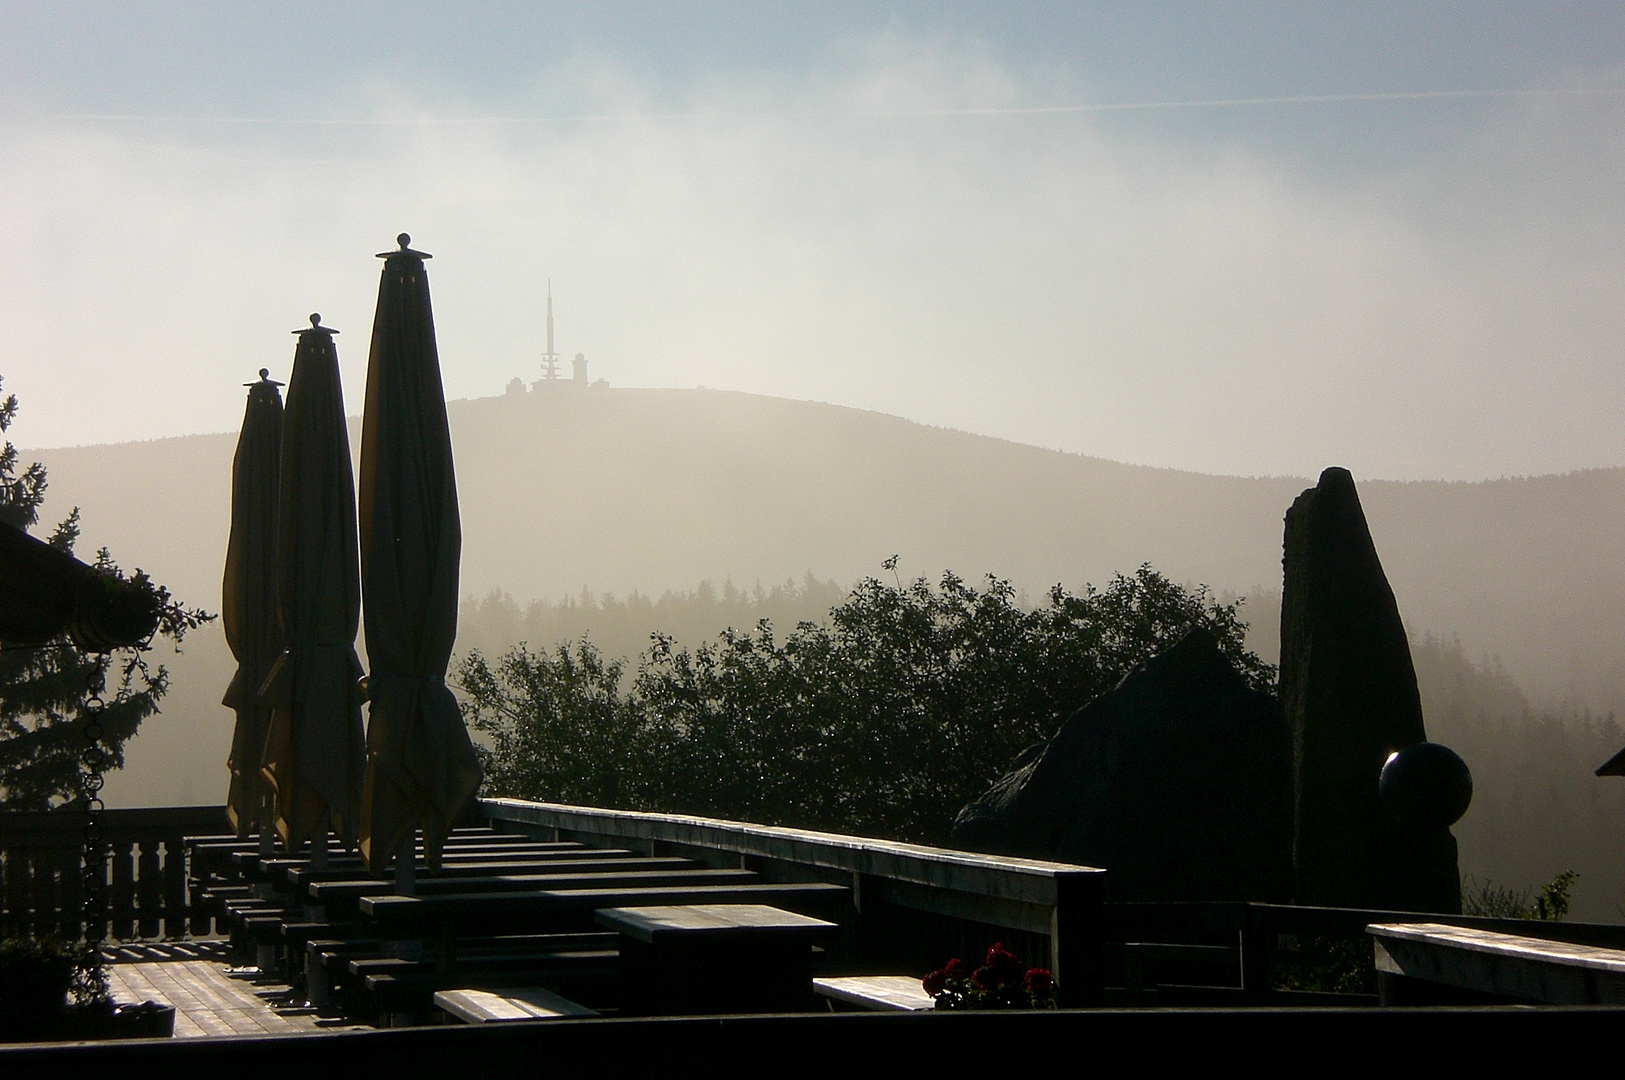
{"x":210,"y":998}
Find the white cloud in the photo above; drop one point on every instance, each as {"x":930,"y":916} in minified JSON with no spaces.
{"x":1104,"y":289}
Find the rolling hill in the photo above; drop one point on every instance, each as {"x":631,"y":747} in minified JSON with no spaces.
{"x":653,"y":490}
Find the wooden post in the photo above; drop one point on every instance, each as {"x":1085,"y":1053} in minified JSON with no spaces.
{"x":1074,"y":939}
{"x":1255,"y":955}
{"x":318,"y":849}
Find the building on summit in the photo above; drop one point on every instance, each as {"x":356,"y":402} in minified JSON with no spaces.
{"x":550,"y":379}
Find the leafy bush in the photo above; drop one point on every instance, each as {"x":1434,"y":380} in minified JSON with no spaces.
{"x":45,"y":984}
{"x":883,"y":721}
{"x":1549,"y":902}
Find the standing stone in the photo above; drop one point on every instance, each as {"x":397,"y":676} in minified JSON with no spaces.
{"x":1348,"y":689}
{"x":1177,"y":781}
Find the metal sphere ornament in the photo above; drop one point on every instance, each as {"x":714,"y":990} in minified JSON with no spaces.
{"x":1426,"y":786}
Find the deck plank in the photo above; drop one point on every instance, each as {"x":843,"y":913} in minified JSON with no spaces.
{"x":208,"y":999}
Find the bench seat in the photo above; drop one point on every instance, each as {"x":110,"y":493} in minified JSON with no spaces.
{"x":517,"y":1004}
{"x":879,"y":993}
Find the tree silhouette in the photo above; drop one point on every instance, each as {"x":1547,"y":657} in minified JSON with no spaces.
{"x":44,"y":688}
{"x":886,"y":719}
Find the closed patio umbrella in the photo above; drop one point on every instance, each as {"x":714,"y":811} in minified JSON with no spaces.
{"x":315,"y":751}
{"x":421,"y":768}
{"x":248,"y":600}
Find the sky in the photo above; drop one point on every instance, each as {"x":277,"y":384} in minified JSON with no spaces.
{"x":1251,"y":239}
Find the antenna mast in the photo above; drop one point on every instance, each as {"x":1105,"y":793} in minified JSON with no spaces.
{"x":550,"y":359}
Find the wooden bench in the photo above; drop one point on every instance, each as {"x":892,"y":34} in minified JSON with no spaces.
{"x":344,"y":895}
{"x":1482,"y":962}
{"x":558,"y":910}
{"x":878,"y":993}
{"x":348,"y":971}
{"x":520,"y":1003}
{"x":304,"y":875}
{"x":699,"y":959}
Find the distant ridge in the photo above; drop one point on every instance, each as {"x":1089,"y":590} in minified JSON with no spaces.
{"x":622,"y":489}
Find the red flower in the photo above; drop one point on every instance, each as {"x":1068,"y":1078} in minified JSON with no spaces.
{"x":954,"y":969}
{"x":985,"y":978}
{"x":1004,"y":963}
{"x":934,"y":982}
{"x":1040,"y":982}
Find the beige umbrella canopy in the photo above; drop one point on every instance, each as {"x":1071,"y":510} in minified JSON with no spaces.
{"x":421,"y":768}
{"x":248,"y":598}
{"x":314,"y":756}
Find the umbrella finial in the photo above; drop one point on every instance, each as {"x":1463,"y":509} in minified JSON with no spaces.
{"x":315,"y":324}
{"x":265,"y":379}
{"x":405,"y":240}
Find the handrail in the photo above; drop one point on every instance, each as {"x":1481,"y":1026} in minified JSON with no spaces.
{"x":1059,"y":901}
{"x":145,"y":878}
{"x":1028,"y":880}
{"x":21,"y":826}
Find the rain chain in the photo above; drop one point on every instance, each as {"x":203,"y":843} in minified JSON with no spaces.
{"x":94,"y":758}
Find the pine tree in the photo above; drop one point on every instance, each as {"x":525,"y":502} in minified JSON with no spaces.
{"x":44,"y":689}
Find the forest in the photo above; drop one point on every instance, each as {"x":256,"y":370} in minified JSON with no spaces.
{"x":1538,"y":810}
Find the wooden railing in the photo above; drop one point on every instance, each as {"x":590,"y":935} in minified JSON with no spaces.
{"x":144,"y":877}
{"x":1265,"y":939}
{"x":914,"y":905}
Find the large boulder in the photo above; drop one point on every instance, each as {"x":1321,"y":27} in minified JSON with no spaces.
{"x":1348,"y":690}
{"x":1177,"y":781}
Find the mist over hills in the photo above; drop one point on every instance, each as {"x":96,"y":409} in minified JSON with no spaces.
{"x":581,"y":508}
{"x":619,"y":490}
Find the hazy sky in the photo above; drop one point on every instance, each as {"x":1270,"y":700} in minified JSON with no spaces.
{"x":1413,"y":265}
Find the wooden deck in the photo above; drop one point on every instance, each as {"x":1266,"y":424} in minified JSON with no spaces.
{"x":212,"y":999}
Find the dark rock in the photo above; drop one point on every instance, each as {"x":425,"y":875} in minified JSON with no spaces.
{"x":1348,"y":690}
{"x":1177,"y":781}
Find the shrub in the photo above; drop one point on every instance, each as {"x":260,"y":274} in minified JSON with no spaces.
{"x":905,"y":705}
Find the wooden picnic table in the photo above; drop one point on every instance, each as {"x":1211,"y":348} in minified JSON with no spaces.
{"x":542,"y":910}
{"x":699,"y":959}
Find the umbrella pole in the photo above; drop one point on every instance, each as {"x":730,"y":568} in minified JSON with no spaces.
{"x":318,"y":849}
{"x":406,"y":867}
{"x":267,"y":828}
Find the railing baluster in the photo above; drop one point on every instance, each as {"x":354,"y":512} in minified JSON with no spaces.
{"x":42,"y":871}
{"x":45,"y":866}
{"x":174,"y":886}
{"x":70,"y":893}
{"x":16,"y":893}
{"x":121,"y":896}
{"x":149,"y":887}
{"x":197,"y":879}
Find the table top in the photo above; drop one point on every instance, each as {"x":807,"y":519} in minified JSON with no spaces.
{"x":649,"y":923}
